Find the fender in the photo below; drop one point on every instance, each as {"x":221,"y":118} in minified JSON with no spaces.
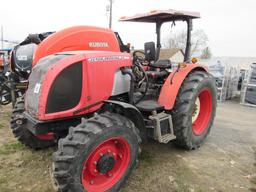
{"x":131,"y":112}
{"x":173,"y":83}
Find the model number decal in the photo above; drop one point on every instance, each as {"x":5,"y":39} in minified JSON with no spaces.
{"x":22,"y":57}
{"x":37,"y":88}
{"x":108,"y":58}
{"x":98,"y":44}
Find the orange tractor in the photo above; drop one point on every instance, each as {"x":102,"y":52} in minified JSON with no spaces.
{"x":99,"y":102}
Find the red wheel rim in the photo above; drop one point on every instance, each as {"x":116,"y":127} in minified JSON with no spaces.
{"x":91,"y":177}
{"x":205,"y":112}
{"x":47,"y":137}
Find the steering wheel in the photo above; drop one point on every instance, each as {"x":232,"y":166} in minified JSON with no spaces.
{"x":140,"y":73}
{"x":139,"y":56}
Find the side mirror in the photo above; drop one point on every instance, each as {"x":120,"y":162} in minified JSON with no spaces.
{"x":150,"y":51}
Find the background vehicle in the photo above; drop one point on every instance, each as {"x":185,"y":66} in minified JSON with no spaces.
{"x":100,"y":103}
{"x":4,"y":67}
{"x":18,"y":65}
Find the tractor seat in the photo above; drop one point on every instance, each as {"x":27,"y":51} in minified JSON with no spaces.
{"x":162,"y":64}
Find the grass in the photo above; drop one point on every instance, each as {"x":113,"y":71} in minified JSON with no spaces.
{"x":253,"y":180}
{"x":3,"y":180}
{"x":185,"y":174}
{"x":1,"y":126}
{"x":11,"y":148}
{"x":146,"y":157}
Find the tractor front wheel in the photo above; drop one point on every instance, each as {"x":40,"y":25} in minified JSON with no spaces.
{"x":194,"y":110}
{"x":18,"y":126}
{"x":97,"y":155}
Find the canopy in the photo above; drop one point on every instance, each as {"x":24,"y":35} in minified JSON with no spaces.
{"x":161,"y":15}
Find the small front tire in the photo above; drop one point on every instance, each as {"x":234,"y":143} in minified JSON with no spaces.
{"x":19,"y":130}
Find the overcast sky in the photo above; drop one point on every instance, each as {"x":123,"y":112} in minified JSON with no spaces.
{"x":229,"y":24}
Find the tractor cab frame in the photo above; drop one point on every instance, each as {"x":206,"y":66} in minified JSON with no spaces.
{"x":159,"y":17}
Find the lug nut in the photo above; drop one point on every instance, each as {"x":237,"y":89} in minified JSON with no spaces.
{"x":109,"y":174}
{"x":95,"y":171}
{"x":116,"y":142}
{"x":120,"y":155}
{"x":101,"y":154}
{"x":95,"y":162}
{"x":109,"y":151}
{"x":91,"y":182}
{"x":19,"y":122}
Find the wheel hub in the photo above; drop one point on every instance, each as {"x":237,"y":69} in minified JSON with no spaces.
{"x":202,"y":112}
{"x":196,"y":110}
{"x":105,"y":164}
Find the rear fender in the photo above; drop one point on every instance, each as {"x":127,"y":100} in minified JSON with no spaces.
{"x":173,"y":83}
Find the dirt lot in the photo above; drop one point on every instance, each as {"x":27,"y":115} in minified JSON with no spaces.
{"x":226,"y":162}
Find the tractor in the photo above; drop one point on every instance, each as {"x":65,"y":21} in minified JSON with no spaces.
{"x":99,"y":102}
{"x":17,"y":68}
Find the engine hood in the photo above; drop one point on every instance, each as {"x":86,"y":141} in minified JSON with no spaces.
{"x":62,"y":84}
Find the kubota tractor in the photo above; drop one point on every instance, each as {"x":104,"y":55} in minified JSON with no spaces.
{"x":100,"y":103}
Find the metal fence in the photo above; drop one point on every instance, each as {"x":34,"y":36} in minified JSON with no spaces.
{"x":226,"y":77}
{"x":248,"y":91}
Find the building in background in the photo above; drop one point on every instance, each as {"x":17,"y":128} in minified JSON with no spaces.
{"x":173,"y":54}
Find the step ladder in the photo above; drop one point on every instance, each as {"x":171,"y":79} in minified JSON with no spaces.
{"x":163,"y":127}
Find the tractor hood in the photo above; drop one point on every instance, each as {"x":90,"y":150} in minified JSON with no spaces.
{"x":77,"y":38}
{"x":62,"y":84}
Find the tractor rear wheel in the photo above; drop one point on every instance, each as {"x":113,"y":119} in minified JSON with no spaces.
{"x":97,"y":155}
{"x":194,"y":110}
{"x":19,"y":130}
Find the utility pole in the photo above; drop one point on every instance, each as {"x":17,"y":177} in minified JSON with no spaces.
{"x":110,"y":13}
{"x":2,"y":36}
{"x":110,"y":10}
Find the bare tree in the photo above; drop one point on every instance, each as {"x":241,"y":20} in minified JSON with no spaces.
{"x":206,"y":53}
{"x":199,"y":41}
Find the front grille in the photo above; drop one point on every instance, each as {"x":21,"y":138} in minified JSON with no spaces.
{"x":66,"y":90}
{"x":35,"y":82}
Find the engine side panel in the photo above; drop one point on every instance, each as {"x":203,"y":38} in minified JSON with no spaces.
{"x":77,"y":38}
{"x":173,"y":83}
{"x":121,"y":83}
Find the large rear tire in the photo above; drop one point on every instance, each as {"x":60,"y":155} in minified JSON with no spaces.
{"x":194,"y":110}
{"x":97,"y":155}
{"x":19,"y":130}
